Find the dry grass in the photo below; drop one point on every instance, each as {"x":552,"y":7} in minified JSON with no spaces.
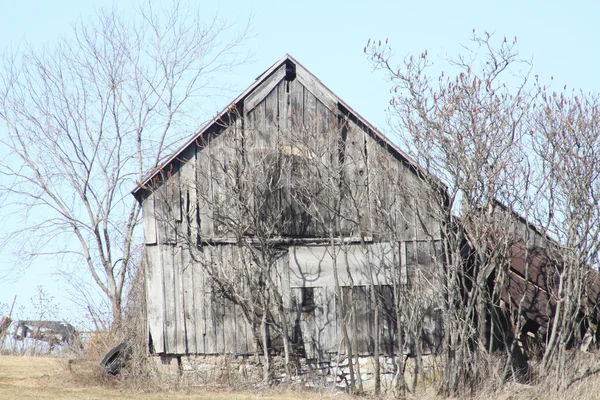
{"x":54,"y":378}
{"x":51,"y":378}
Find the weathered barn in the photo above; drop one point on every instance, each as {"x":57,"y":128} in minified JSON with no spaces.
{"x":527,"y":293}
{"x":288,"y":206}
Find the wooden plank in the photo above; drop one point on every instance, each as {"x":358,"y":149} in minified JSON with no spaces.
{"x":312,"y":266}
{"x":180,"y":320}
{"x":351,"y":190}
{"x":363,"y":327}
{"x":321,"y":334}
{"x":255,"y":134}
{"x":161,"y":214}
{"x":241,"y":326}
{"x":174,"y":196}
{"x":309,"y":266}
{"x":309,"y":114}
{"x":229,"y":328}
{"x":170,"y":293}
{"x":295,"y":315}
{"x":409,"y":218}
{"x":298,"y":154}
{"x":149,"y":220}
{"x":283,"y":266}
{"x":387,"y":326}
{"x":325,"y":152}
{"x":223,"y":160}
{"x":167,"y":210}
{"x":283,"y":112}
{"x":306,"y":328}
{"x":327,"y":323}
{"x":403,"y":260}
{"x":189,"y":199}
{"x":199,"y":300}
{"x":317,"y":88}
{"x":218,"y":163}
{"x":296,"y":108}
{"x":376,"y":173}
{"x":217,"y":305}
{"x":210,"y":328}
{"x":204,"y":184}
{"x":189,"y":302}
{"x":357,"y":172}
{"x":306,"y":225}
{"x":266,"y":87}
{"x":241,"y":333}
{"x":155,"y":299}
{"x":271,"y":119}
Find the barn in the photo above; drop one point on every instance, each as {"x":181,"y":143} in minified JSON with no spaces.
{"x":288,"y":224}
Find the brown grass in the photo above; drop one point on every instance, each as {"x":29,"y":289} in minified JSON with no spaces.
{"x":24,"y":377}
{"x":27,"y":377}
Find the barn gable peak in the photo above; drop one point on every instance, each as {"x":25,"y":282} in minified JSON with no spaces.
{"x":285,"y":69}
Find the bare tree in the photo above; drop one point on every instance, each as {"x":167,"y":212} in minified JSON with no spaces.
{"x":466,"y":130}
{"x":566,"y":141}
{"x":88,"y":116}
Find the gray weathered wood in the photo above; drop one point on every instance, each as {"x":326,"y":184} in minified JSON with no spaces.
{"x":170,"y":295}
{"x":149,"y":220}
{"x":313,"y":265}
{"x":174,"y":196}
{"x":296,"y":108}
{"x":204,"y":189}
{"x":298,"y":124}
{"x":259,"y":94}
{"x":271,"y":103}
{"x":217,"y":303}
{"x":155,"y":305}
{"x":199,"y":284}
{"x":255,"y":133}
{"x":316,"y":87}
{"x":189,"y":301}
{"x":168,"y":209}
{"x":180,"y":320}
{"x":331,"y":335}
{"x":189,"y":200}
{"x":241,"y":334}
{"x":210,"y":328}
{"x":309,"y":115}
{"x":228,"y":309}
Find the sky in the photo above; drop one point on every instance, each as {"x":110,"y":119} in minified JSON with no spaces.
{"x":328,"y":38}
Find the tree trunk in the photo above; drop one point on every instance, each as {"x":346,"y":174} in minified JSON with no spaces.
{"x":265,"y":345}
{"x":286,"y":338}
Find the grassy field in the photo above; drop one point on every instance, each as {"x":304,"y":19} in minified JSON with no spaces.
{"x":23,"y":377}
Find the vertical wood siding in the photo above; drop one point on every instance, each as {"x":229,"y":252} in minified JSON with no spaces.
{"x":187,"y":314}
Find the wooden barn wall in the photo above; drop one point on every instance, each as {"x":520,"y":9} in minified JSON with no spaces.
{"x":377,"y":188}
{"x":187,"y":314}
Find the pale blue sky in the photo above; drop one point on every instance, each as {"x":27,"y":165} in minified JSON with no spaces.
{"x":328,"y":38}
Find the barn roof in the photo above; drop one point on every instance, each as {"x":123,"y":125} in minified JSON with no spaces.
{"x":533,"y":284}
{"x":261,"y":88}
